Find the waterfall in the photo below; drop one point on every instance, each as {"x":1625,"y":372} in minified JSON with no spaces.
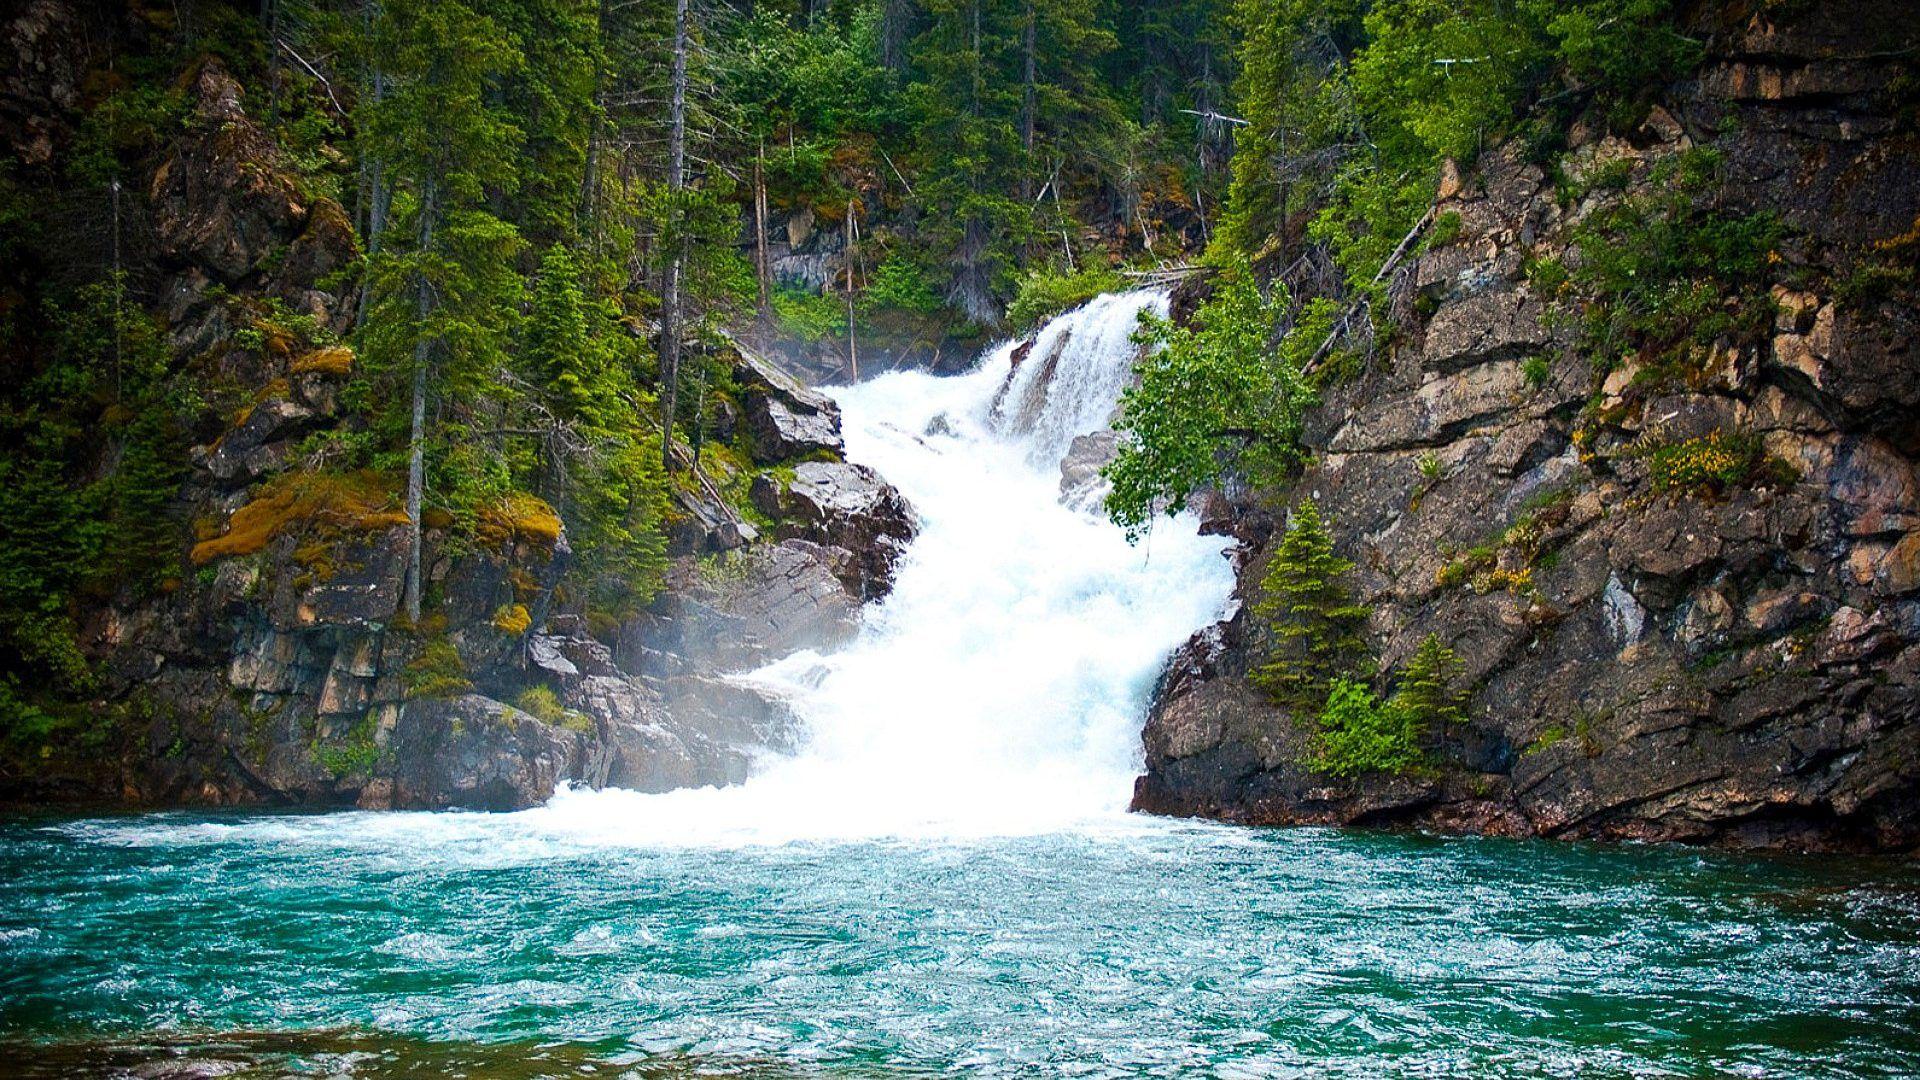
{"x":1001,"y":687}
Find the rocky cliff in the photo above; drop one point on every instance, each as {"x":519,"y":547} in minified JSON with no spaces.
{"x":1685,"y":581}
{"x":281,"y":671}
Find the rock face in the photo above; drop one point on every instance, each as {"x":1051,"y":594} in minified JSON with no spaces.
{"x":845,"y":506}
{"x":283,"y":672}
{"x":783,"y":419}
{"x":1737,"y":666}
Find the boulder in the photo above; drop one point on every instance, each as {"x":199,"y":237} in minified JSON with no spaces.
{"x":783,"y":419}
{"x":776,"y":600}
{"x":1081,"y":485}
{"x":703,"y":524}
{"x":219,"y":199}
{"x":1478,"y":328}
{"x":842,"y":505}
{"x":475,"y":753}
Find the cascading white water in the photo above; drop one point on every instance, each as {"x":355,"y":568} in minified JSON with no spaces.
{"x":1000,"y":688}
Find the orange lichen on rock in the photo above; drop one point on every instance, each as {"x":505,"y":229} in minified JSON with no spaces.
{"x":333,"y":360}
{"x":325,"y":504}
{"x":520,"y":518}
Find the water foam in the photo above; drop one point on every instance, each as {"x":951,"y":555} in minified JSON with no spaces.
{"x":1000,"y":688}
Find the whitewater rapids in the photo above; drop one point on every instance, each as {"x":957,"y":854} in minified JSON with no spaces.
{"x":999,"y":690}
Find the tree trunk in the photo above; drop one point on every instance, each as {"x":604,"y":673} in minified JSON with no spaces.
{"x":896,"y":27}
{"x":761,"y":271}
{"x":378,"y":197}
{"x":590,"y":180}
{"x":853,"y":347}
{"x":417,"y":438}
{"x":676,"y":183}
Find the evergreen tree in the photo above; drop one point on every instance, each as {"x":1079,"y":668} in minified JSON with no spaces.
{"x":1315,"y":630}
{"x":970,"y":152}
{"x":551,"y":97}
{"x":1359,"y":734}
{"x":1292,"y":96}
{"x":558,"y":351}
{"x":445,"y":303}
{"x":1426,"y":693}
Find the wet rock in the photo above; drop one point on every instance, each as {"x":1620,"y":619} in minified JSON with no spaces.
{"x":779,"y":599}
{"x":703,"y":524}
{"x":845,"y":506}
{"x":1081,"y":485}
{"x":783,"y":419}
{"x":475,"y":753}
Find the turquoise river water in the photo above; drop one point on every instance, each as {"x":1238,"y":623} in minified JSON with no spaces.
{"x":943,"y":880}
{"x":369,"y":944}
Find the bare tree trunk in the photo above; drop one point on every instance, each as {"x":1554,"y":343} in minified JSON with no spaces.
{"x":676,"y":183}
{"x":760,"y":267}
{"x":270,"y":11}
{"x":417,"y":438}
{"x":590,"y":180}
{"x":379,"y":197}
{"x":853,"y":345}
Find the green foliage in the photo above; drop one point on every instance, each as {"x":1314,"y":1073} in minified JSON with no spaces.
{"x":1360,"y":734}
{"x":71,"y":529}
{"x":809,"y":316}
{"x":1713,"y":463}
{"x":1664,"y":275}
{"x":1315,"y":631}
{"x":541,"y":703}
{"x":1047,"y":291}
{"x":899,"y":284}
{"x":1210,"y":395}
{"x":1537,"y":369}
{"x":353,"y":755}
{"x":599,"y":464}
{"x":1352,"y":108}
{"x":1293,"y":93}
{"x":966,"y":118}
{"x":1427,"y":691}
{"x":437,"y":671}
{"x":1444,"y":230}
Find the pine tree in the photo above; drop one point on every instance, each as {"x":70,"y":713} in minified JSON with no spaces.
{"x":1291,"y":95}
{"x":1427,"y":694}
{"x":552,"y":99}
{"x":558,"y":351}
{"x":445,"y":304}
{"x":1315,"y":629}
{"x":970,"y":150}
